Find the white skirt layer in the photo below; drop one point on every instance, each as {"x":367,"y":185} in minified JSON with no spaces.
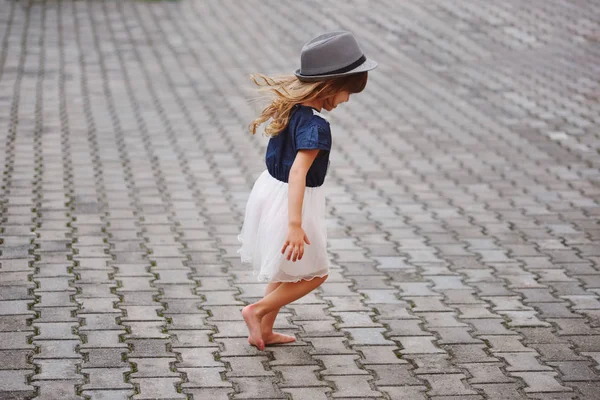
{"x":265,"y":230}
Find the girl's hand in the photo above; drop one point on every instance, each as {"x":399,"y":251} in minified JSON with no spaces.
{"x":295,"y":241}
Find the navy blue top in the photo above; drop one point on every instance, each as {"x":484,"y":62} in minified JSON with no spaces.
{"x":306,"y":130}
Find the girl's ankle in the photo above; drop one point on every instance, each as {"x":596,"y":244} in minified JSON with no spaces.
{"x":257,"y":310}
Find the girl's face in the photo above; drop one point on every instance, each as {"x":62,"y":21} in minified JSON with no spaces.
{"x":332,"y":102}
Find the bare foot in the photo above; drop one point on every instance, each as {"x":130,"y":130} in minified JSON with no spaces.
{"x":278,"y":338}
{"x":274,"y":338}
{"x":253,"y":322}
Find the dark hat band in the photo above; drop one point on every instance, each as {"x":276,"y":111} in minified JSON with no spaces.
{"x":350,"y":67}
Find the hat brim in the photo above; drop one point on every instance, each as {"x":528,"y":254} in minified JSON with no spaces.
{"x":364,"y":67}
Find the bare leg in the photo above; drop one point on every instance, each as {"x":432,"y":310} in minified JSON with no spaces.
{"x":279,"y":297}
{"x":266,"y":325}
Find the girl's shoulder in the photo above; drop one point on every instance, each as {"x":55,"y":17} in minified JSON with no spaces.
{"x":310,"y":130}
{"x":307,"y":116}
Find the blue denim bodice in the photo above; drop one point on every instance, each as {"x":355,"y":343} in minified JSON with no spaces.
{"x":306,"y":130}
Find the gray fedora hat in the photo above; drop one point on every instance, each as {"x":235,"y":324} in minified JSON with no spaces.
{"x":331,"y":55}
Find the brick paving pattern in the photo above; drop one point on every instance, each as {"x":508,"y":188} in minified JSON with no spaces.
{"x":464,"y":200}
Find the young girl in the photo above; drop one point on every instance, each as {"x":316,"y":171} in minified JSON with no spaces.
{"x":284,"y":233}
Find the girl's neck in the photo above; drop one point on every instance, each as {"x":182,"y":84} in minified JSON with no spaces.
{"x":316,"y":104}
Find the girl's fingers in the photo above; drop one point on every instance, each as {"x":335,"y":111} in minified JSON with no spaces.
{"x":295,"y":252}
{"x":306,"y":239}
{"x":299,"y":253}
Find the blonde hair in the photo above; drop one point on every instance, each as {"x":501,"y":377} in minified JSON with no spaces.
{"x":289,"y":90}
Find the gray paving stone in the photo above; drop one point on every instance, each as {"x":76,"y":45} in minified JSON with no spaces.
{"x":15,"y":381}
{"x":104,"y":358}
{"x":418,"y":345}
{"x":353,"y":387}
{"x":98,"y":322}
{"x":557,"y":352}
{"x":406,"y":328}
{"x":192,"y":321}
{"x":486,"y":373}
{"x":103,"y":339}
{"x":57,"y":369}
{"x":56,"y":331}
{"x":106,"y":378}
{"x":306,"y":312}
{"x":152,"y":367}
{"x":15,"y":340}
{"x":210,"y":393}
{"x":570,"y":326}
{"x":394,"y":375}
{"x":299,"y":376}
{"x":442,"y":320}
{"x":489,"y":327}
{"x":191,"y":338}
{"x":330,"y":345}
{"x":338,"y":364}
{"x":317,"y":393}
{"x":447,"y":385}
{"x":238,"y":347}
{"x":379,"y":355}
{"x":427,"y":304}
{"x":52,"y":349}
{"x":501,"y":344}
{"x":587,"y":389}
{"x":157,"y":388}
{"x":15,"y":307}
{"x":63,"y":389}
{"x":198,"y":378}
{"x":585,"y":343}
{"x":247,"y":366}
{"x":576,"y":371}
{"x":261,"y":387}
{"x":540,"y":335}
{"x":356,"y":320}
{"x":523,"y":362}
{"x":541,"y":382}
{"x":18,"y":359}
{"x":108,"y":394}
{"x":405,"y":392}
{"x":394,"y":311}
{"x":469,"y":353}
{"x":324,"y":328}
{"x":455,"y":336}
{"x":500,"y":391}
{"x":198,"y":357}
{"x":367,"y":336}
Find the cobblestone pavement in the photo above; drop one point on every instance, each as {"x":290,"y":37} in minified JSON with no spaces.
{"x":463,"y":196}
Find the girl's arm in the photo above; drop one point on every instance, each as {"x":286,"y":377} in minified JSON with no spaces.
{"x":296,"y":185}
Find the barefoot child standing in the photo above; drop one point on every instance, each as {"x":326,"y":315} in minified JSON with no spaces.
{"x":284,"y":233}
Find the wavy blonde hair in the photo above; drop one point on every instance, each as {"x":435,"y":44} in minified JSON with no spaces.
{"x":287,"y":91}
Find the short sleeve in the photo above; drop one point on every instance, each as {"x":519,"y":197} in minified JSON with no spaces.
{"x":313,"y":136}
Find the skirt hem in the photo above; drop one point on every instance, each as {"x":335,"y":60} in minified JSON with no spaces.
{"x":296,"y":281}
{"x":265,"y":278}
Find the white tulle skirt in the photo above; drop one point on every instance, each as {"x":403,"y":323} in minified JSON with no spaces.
{"x":265,"y":230}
